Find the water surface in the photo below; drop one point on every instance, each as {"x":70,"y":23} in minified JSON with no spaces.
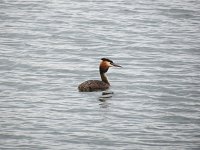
{"x":49,"y":47}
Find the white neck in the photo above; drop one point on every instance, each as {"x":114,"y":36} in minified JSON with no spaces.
{"x":104,"y":78}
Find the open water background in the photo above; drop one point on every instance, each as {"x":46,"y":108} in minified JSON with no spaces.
{"x":47,"y":48}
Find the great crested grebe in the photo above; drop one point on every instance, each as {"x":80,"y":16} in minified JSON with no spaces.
{"x":96,"y":85}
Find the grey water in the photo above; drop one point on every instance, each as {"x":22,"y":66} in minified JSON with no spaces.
{"x":47,"y":48}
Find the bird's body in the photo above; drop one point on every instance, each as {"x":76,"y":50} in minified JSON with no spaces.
{"x":97,"y":85}
{"x":93,"y":85}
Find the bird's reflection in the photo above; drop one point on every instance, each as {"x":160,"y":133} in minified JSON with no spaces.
{"x":106,"y":95}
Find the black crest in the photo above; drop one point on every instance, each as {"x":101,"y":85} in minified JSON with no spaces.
{"x":106,"y":59}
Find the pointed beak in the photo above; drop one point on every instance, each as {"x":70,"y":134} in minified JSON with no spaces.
{"x":116,"y":65}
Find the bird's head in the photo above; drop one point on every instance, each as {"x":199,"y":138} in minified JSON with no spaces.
{"x":105,"y":64}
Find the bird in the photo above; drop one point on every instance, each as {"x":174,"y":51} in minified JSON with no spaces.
{"x":97,"y":85}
